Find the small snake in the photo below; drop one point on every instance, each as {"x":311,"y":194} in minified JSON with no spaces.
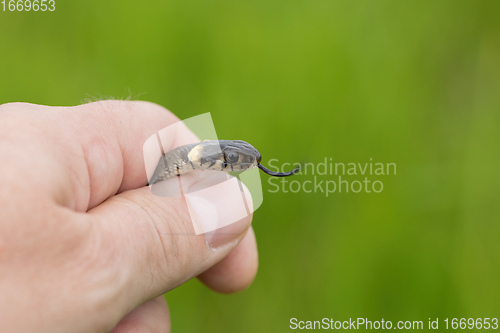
{"x":219,"y":155}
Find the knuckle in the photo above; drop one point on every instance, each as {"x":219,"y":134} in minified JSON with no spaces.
{"x":142,"y":112}
{"x":162,"y":112}
{"x":16,"y":106}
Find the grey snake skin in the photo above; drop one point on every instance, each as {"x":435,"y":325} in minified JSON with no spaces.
{"x":219,"y":155}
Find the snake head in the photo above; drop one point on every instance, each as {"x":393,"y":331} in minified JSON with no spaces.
{"x":239,"y":155}
{"x":228,"y":155}
{"x":224,"y":155}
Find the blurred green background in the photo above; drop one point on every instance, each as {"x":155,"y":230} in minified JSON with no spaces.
{"x":416,"y":83}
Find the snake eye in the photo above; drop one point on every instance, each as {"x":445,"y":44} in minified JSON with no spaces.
{"x":232,"y":157}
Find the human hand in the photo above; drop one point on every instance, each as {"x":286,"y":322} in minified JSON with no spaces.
{"x":84,"y":244}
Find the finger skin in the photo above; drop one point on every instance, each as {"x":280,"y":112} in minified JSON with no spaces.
{"x":96,"y":149}
{"x":237,"y":270}
{"x":151,"y":317}
{"x":153,"y":242}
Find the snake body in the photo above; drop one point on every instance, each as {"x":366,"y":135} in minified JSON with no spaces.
{"x":219,"y":155}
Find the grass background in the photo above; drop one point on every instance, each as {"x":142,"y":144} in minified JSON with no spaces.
{"x":416,"y":83}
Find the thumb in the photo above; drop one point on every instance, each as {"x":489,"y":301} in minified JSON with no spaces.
{"x":156,"y":243}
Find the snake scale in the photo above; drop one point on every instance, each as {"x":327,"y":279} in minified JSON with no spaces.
{"x":219,"y":155}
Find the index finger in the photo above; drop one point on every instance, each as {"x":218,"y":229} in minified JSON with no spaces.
{"x":101,"y":146}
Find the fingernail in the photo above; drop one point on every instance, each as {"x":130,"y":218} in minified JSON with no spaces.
{"x":220,"y":208}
